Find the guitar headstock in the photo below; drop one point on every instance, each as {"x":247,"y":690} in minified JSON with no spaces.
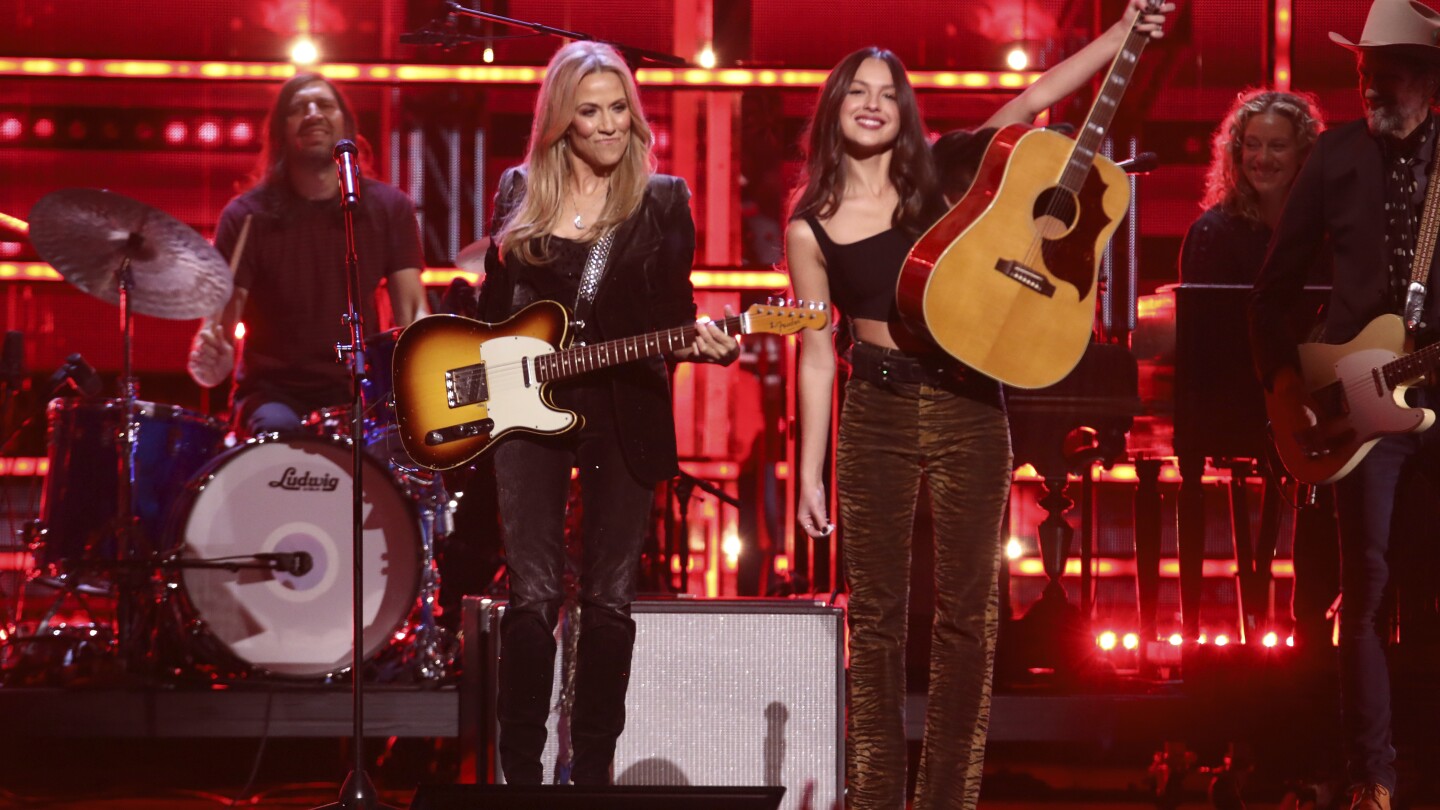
{"x":786,"y":317}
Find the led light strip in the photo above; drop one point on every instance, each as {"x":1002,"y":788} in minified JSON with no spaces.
{"x":974,"y":80}
{"x":711,"y":279}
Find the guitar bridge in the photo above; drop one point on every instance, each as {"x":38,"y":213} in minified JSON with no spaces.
{"x":464,"y":430}
{"x":1019,"y":272}
{"x":466,"y":385}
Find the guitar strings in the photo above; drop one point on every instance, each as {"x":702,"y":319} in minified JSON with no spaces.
{"x":509,"y":370}
{"x":1054,"y":207}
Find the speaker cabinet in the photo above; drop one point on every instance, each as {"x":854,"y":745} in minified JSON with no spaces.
{"x":722,"y":692}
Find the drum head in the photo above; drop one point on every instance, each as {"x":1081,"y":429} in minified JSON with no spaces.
{"x":285,"y":496}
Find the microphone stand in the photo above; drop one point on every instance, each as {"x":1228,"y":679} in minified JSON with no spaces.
{"x":684,"y":486}
{"x":357,"y":791}
{"x":639,"y":55}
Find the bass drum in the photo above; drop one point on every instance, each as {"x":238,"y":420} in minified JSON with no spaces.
{"x":286,"y":496}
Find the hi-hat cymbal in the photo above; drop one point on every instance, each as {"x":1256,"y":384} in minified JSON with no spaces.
{"x":85,"y":234}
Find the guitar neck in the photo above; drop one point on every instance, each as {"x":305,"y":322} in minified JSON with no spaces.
{"x":1411,"y":367}
{"x":1102,"y":112}
{"x":583,"y":359}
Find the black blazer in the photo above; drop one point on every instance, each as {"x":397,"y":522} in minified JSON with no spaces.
{"x":646,"y":287}
{"x":1338,"y":198}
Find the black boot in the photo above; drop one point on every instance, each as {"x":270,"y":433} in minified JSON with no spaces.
{"x":527,"y":669}
{"x":602,"y":676}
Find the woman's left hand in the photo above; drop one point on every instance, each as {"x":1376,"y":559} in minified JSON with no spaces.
{"x":1152,"y":23}
{"x":712,"y":345}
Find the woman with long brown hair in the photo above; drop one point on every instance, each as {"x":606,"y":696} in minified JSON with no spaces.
{"x":871,"y":188}
{"x":587,"y":196}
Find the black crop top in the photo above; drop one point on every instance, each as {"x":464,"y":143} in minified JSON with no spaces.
{"x":863,"y":274}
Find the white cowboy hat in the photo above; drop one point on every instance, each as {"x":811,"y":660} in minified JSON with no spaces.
{"x":1406,"y":25}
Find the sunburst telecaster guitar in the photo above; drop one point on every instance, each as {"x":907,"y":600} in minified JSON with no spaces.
{"x":1354,"y":396}
{"x":461,"y":384}
{"x":1006,"y":281}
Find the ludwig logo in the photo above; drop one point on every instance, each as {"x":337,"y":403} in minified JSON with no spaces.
{"x":305,"y":482}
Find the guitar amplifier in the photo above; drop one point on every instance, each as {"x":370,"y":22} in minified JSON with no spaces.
{"x":722,"y":693}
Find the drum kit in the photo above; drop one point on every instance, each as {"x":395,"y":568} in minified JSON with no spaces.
{"x":226,"y":561}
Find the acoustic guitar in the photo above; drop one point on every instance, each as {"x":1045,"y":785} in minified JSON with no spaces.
{"x":461,"y":384}
{"x":1006,"y":281}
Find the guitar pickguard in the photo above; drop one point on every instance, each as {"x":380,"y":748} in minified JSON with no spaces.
{"x":1071,"y":258}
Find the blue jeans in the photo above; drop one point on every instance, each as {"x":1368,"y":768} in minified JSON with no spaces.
{"x":1366,"y":504}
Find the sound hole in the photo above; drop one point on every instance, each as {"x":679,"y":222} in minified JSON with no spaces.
{"x":1055,"y":213}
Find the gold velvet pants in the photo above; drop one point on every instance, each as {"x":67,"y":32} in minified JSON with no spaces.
{"x":890,"y":437}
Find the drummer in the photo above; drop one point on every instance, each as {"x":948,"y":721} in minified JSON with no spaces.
{"x":285,"y":239}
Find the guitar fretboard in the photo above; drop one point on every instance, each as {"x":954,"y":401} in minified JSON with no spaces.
{"x":1102,"y":112}
{"x":1410,"y":367}
{"x":583,"y":359}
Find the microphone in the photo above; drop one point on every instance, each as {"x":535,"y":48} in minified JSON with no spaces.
{"x":1143,"y":163}
{"x":12,"y":361}
{"x":426,"y":38}
{"x":297,"y":563}
{"x":347,"y":164}
{"x":77,"y":373}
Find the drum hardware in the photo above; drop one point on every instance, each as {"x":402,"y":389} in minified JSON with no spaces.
{"x":143,"y":260}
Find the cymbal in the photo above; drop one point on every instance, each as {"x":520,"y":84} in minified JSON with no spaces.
{"x":85,"y":234}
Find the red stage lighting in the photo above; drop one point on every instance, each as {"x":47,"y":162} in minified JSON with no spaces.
{"x":11,"y":128}
{"x":176,"y":132}
{"x":76,"y":130}
{"x":208,"y":133}
{"x":241,"y":133}
{"x":44,"y":128}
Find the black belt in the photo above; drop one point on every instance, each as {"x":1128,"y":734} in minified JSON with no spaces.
{"x":889,"y":368}
{"x":881,"y":366}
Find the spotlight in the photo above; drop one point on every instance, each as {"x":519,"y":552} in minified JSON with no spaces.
{"x":1013,"y":549}
{"x":1271,"y":639}
{"x":304,"y":52}
{"x":1106,"y":640}
{"x":488,"y":55}
{"x":208,"y":133}
{"x":1176,"y":639}
{"x":1221,"y":640}
{"x":706,"y":58}
{"x":1290,"y":641}
{"x":1131,"y":641}
{"x":241,"y":133}
{"x":176,"y":132}
{"x":1017,"y":59}
{"x":11,"y":128}
{"x":44,"y":128}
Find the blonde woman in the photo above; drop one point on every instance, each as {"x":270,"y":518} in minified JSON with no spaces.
{"x":588,"y":178}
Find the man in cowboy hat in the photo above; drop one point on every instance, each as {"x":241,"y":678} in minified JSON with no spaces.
{"x":1363,"y":188}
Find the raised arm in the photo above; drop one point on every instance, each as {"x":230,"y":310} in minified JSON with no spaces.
{"x":1067,"y":77}
{"x":816,"y":378}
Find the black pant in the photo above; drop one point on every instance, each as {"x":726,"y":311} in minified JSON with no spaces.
{"x":1367,"y":501}
{"x":533,"y":481}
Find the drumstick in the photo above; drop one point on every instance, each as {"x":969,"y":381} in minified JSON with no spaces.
{"x":234,"y":263}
